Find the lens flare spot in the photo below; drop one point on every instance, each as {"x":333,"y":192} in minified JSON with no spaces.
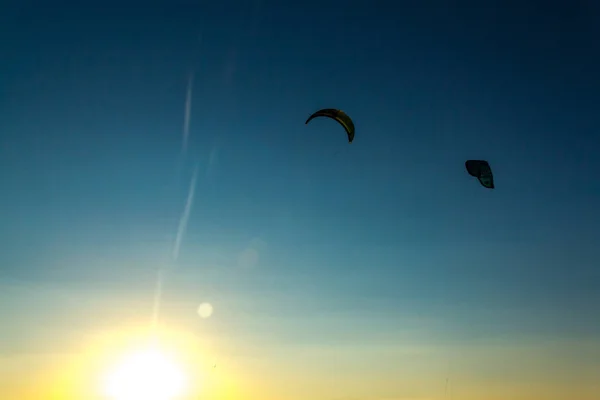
{"x":205,"y":310}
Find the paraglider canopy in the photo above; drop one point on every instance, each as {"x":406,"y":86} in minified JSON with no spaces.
{"x":481,"y":170}
{"x":341,"y":117}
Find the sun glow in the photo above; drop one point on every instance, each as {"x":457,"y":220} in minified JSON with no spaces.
{"x":145,"y":374}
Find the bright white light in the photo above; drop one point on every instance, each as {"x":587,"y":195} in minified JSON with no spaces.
{"x":145,"y":375}
{"x":205,"y":310}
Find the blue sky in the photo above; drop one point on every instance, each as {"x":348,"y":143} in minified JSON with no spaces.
{"x":378,"y":233}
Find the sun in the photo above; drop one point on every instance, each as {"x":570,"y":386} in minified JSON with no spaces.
{"x":146,"y":374}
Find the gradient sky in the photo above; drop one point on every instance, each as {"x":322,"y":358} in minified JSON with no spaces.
{"x":371,"y":271}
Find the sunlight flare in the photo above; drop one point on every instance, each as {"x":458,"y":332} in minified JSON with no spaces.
{"x":145,"y":374}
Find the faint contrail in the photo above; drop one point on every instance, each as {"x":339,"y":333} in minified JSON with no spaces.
{"x":212,"y":160}
{"x":157,"y":297}
{"x":183,"y":221}
{"x":185,"y":215}
{"x":188,"y":112}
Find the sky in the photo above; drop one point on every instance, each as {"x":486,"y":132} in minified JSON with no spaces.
{"x":376,"y":270}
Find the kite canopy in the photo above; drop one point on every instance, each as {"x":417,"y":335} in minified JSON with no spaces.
{"x":481,"y":170}
{"x":341,"y":117}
